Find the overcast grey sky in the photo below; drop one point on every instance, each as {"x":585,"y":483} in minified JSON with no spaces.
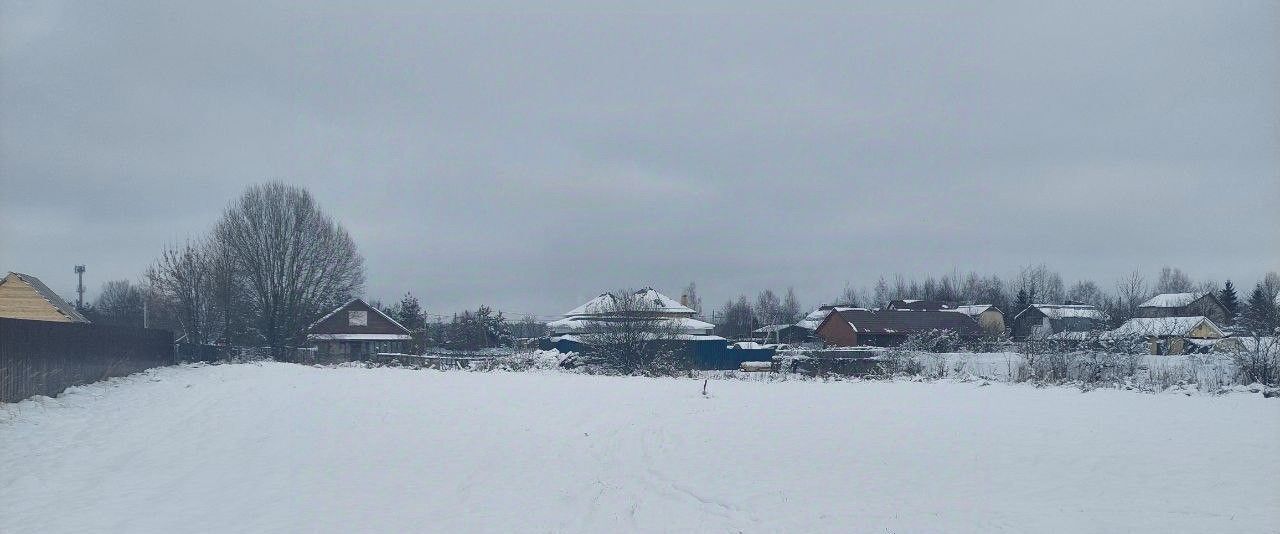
{"x":532,"y":160}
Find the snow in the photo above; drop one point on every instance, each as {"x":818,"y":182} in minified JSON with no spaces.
{"x":1162,"y":326}
{"x":656,"y":301}
{"x":687,"y":325}
{"x":1171,"y":300}
{"x":1061,"y":311}
{"x":357,"y":337}
{"x":289,"y":448}
{"x":972,"y":310}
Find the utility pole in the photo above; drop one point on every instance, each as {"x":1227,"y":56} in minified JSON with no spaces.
{"x":80,"y":287}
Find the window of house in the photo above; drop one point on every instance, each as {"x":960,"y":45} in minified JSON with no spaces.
{"x":358,"y":318}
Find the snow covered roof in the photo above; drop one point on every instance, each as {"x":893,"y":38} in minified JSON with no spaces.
{"x":1062,"y":311}
{"x":687,"y":325}
{"x":973,"y":310}
{"x":357,"y":337}
{"x":655,"y":301}
{"x":1170,"y":300}
{"x":1164,"y":326}
{"x":771,"y":328}
{"x":815,"y":317}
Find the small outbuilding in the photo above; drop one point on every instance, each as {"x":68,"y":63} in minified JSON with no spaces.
{"x":1043,"y":320}
{"x":355,"y":331}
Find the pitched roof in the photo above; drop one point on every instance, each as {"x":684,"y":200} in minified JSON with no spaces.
{"x":1062,"y":311}
{"x":366,"y":305}
{"x":583,"y":323}
{"x":1164,"y":326}
{"x":896,"y":321}
{"x":61,"y":305}
{"x":814,"y":319}
{"x":652,"y":299}
{"x":1171,"y":300}
{"x":974,"y":310}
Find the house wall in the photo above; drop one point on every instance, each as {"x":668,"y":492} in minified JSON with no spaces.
{"x":836,"y":332}
{"x":1026,"y":323}
{"x":1204,"y":332}
{"x":992,"y":321}
{"x":18,"y":300}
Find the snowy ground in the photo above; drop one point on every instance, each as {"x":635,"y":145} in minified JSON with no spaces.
{"x":276,"y":447}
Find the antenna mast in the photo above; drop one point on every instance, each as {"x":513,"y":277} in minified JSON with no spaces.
{"x":80,"y":287}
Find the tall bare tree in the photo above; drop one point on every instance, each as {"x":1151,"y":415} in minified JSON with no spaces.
{"x":183,"y":278}
{"x":119,"y":303}
{"x":295,"y":261}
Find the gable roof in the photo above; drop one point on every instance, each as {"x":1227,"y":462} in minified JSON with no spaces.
{"x":1171,"y":300}
{"x":1063,"y":311}
{"x":1164,"y":326}
{"x":814,"y":319}
{"x":906,"y":322}
{"x":655,"y":301}
{"x":974,"y":310}
{"x":48,"y":295}
{"x":366,"y":305}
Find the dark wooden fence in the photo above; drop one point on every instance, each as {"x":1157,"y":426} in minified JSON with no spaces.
{"x":44,"y":358}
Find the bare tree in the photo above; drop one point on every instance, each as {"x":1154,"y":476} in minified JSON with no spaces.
{"x":119,"y":303}
{"x":736,"y":318}
{"x":1173,"y":280}
{"x":791,"y":311}
{"x":1130,"y":292}
{"x":691,"y":298}
{"x":184,"y":278}
{"x":296,"y":262}
{"x":1086,"y":291}
{"x":630,"y":336}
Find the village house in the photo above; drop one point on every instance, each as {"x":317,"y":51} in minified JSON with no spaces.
{"x":1184,"y":305}
{"x":652,"y":306}
{"x":356,"y":331}
{"x":1172,"y":335}
{"x":989,"y":317}
{"x":1043,"y":320}
{"x":848,"y":327}
{"x":23,"y":296}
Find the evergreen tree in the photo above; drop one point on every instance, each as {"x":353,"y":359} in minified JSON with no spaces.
{"x":1260,"y":317}
{"x":1229,"y":301}
{"x":409,"y":314}
{"x":1023,"y":301}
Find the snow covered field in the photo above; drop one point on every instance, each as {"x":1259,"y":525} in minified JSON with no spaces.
{"x":276,"y":447}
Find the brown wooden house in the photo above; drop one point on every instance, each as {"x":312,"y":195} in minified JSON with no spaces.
{"x":845,"y":327}
{"x":357,"y":330}
{"x":23,"y":296}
